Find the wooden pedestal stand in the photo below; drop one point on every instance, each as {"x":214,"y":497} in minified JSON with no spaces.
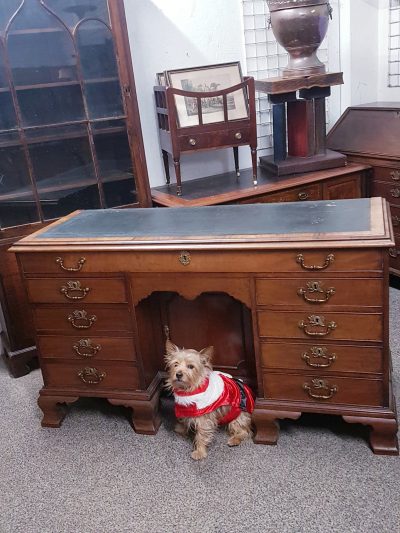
{"x":299,"y":124}
{"x":176,"y":140}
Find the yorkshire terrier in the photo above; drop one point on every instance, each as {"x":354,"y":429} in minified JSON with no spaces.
{"x":205,"y":399}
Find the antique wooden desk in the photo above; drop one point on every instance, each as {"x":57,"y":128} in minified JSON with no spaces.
{"x":293,"y":296}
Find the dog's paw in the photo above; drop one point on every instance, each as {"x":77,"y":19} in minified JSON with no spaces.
{"x":180,"y":429}
{"x":197,"y":455}
{"x":234,"y":441}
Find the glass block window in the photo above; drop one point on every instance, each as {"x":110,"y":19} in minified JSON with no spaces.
{"x":394,"y":44}
{"x":264,"y":58}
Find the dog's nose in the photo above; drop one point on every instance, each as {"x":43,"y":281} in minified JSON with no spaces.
{"x":179,"y":375}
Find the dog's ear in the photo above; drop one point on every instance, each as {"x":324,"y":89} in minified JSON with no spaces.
{"x":170,"y":348}
{"x":207,"y":355}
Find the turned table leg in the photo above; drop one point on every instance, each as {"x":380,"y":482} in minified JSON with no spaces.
{"x":383,"y":433}
{"x":177,"y":165}
{"x":145,"y":414}
{"x":53,"y":412}
{"x":266,"y":423}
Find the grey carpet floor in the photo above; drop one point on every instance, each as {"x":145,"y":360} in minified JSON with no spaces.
{"x":95,"y":475}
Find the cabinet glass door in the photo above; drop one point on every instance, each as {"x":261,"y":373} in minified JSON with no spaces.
{"x":64,"y":141}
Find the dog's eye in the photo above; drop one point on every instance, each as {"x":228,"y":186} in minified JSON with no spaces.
{"x":191,"y":367}
{"x":175,"y":365}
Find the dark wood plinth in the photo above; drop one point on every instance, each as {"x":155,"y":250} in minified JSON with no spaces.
{"x":293,"y":165}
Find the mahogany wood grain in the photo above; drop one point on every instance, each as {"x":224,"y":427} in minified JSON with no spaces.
{"x":66,"y":375}
{"x":330,"y":292}
{"x":350,"y":391}
{"x":349,"y":326}
{"x":358,"y":359}
{"x":105,"y":348}
{"x":93,"y":290}
{"x":100,"y":319}
{"x":349,"y":261}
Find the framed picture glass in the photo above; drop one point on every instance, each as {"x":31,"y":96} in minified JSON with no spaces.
{"x":207,"y":79}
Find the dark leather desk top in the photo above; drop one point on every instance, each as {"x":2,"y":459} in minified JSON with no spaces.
{"x":348,"y":220}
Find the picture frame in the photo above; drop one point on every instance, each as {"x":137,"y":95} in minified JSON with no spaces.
{"x":206,"y":79}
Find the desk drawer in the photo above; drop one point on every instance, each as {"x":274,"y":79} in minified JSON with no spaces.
{"x":316,"y":292}
{"x":91,"y":376}
{"x":390,"y":191}
{"x":308,"y":192}
{"x":73,"y":289}
{"x":319,"y":390}
{"x":318,"y":327}
{"x":87,"y":320}
{"x":319,"y":357}
{"x":301,"y":261}
{"x":86,"y":348}
{"x":196,"y":141}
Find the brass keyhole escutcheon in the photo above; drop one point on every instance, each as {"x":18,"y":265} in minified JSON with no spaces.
{"x":184,"y":258}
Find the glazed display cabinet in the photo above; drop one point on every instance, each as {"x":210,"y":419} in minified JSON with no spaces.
{"x":70,"y":134}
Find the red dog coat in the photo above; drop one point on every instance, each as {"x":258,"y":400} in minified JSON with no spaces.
{"x":218,"y":389}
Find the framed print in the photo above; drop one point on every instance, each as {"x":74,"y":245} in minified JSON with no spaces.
{"x":207,"y":79}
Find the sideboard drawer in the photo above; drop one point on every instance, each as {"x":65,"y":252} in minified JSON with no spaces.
{"x":86,"y":348}
{"x":333,"y":390}
{"x":298,"y":194}
{"x":87,"y":320}
{"x":390,"y":191}
{"x":318,"y":327}
{"x":318,"y":357}
{"x":389,"y":174}
{"x":74,"y":289}
{"x":316,"y":292}
{"x":395,"y":215}
{"x":93,"y":376}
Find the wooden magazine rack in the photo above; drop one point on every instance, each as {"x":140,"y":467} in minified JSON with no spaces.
{"x":228,"y":133}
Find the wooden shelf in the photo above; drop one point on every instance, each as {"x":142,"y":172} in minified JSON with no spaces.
{"x":27,"y":193}
{"x":61,"y":84}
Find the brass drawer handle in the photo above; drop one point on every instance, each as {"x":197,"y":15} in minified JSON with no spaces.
{"x":78,"y":268}
{"x":327,"y":391}
{"x":316,"y":286}
{"x":395,"y":175}
{"x":238,"y":135}
{"x":317,"y":321}
{"x":91,"y":375}
{"x":396,"y":220}
{"x":85,"y":348}
{"x":328,"y":261}
{"x":395,"y":192}
{"x":303,"y":196}
{"x":77,"y":316}
{"x":394,"y":253}
{"x":184,"y":258}
{"x":319,"y":353}
{"x":192,"y":142}
{"x":74,"y":287}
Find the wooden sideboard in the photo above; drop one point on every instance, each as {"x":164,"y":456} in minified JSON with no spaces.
{"x":294,"y":297}
{"x":369,"y":134}
{"x":333,"y":184}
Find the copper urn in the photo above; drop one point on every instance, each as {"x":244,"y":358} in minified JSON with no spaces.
{"x":300,"y":27}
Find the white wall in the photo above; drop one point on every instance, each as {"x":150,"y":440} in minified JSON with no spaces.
{"x":169,"y":34}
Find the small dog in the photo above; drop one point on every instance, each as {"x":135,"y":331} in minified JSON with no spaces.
{"x":205,"y":398}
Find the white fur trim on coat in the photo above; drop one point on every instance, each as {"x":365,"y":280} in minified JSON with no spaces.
{"x":209,"y":396}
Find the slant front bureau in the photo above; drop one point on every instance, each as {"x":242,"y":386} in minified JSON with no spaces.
{"x":293,"y":296}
